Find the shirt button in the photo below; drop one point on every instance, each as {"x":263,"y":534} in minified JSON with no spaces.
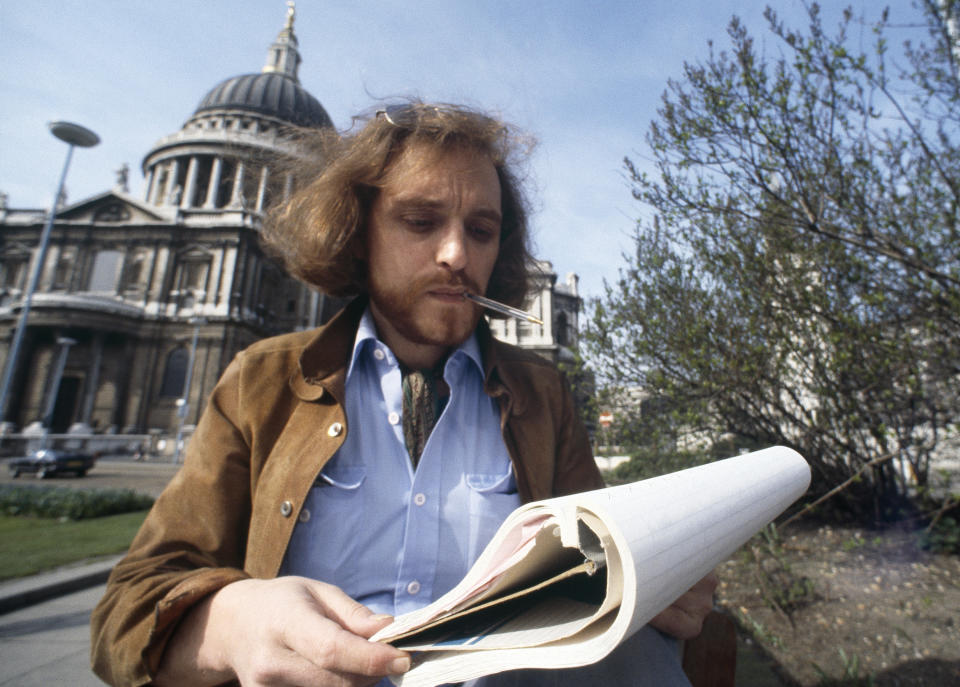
{"x":286,"y":508}
{"x":304,"y":516}
{"x":413,"y":588}
{"x":378,"y":354}
{"x":335,"y":429}
{"x":420,"y":499}
{"x":393,"y":418}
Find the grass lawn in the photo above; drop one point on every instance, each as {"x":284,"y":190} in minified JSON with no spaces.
{"x":32,"y":545}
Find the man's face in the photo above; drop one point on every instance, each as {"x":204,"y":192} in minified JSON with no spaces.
{"x":433,"y":232}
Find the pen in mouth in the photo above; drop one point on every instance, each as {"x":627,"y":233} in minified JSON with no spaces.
{"x":501,"y":308}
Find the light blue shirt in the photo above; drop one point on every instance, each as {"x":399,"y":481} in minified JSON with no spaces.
{"x":392,"y":537}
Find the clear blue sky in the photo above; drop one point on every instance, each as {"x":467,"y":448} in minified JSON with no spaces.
{"x":584,"y":78}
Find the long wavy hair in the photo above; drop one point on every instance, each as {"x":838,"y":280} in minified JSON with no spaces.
{"x":319,"y":233}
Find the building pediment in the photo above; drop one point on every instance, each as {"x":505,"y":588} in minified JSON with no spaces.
{"x":111,"y":207}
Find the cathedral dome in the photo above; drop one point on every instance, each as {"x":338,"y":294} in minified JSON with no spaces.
{"x":273,"y":94}
{"x":222,"y":158}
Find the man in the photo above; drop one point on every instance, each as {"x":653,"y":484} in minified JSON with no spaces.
{"x":341,"y":476}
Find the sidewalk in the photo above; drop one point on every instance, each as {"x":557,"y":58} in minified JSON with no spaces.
{"x":48,"y":643}
{"x":28,"y":591}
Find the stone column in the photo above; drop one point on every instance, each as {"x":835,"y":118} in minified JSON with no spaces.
{"x":228,"y":273}
{"x":236,"y":198}
{"x":49,"y":271}
{"x":214,"y":187}
{"x":262,"y":191}
{"x":148,"y":194}
{"x":132,"y":388}
{"x":93,"y":380}
{"x":173,"y":171}
{"x":53,"y":382}
{"x":190,"y":184}
{"x":36,"y":377}
{"x":546,"y":314}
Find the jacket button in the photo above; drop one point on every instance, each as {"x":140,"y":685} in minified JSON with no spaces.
{"x":286,"y":508}
{"x":335,"y":429}
{"x":304,"y":516}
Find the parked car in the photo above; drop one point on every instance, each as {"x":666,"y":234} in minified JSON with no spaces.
{"x":51,"y":461}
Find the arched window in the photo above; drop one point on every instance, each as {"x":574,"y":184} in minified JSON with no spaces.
{"x":175,"y":373}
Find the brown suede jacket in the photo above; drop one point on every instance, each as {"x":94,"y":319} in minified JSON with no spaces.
{"x":273,"y":420}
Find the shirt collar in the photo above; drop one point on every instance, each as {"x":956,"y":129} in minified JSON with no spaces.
{"x":366,"y":332}
{"x":366,"y":341}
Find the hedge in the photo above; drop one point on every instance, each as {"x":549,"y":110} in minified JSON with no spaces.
{"x":72,"y":504}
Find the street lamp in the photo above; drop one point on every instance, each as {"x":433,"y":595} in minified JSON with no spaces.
{"x":74,"y":135}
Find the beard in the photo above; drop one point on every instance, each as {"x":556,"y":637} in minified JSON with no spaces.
{"x":422,"y":320}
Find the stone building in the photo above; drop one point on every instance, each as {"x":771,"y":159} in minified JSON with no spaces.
{"x":142,"y":302}
{"x":558,"y":305}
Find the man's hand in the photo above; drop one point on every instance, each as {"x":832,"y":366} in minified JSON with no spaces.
{"x":287,"y":631}
{"x":684,"y":618}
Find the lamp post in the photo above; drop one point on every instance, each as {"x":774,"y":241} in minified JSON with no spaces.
{"x":74,"y":135}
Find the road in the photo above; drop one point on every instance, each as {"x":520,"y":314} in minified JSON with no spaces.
{"x":114,"y":472}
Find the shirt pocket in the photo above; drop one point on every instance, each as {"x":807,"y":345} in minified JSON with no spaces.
{"x":346,"y":477}
{"x":492,"y":497}
{"x":326,"y":535}
{"x":486,"y":483}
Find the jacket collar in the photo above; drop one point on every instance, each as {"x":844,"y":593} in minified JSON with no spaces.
{"x":500,"y":379}
{"x":323,"y":362}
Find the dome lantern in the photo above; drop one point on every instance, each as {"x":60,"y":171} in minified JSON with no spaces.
{"x":283,"y":56}
{"x":274,"y":92}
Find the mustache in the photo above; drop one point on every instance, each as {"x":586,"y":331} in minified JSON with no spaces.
{"x":440,"y":283}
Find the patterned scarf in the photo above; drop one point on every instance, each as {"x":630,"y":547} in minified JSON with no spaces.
{"x":425,"y":395}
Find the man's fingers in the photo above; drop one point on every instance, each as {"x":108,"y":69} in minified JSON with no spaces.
{"x":346,"y":612}
{"x":292,"y":669}
{"x":707,"y":585}
{"x":344,"y":652}
{"x":684,"y":618}
{"x":676,"y":622}
{"x":324,"y":643}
